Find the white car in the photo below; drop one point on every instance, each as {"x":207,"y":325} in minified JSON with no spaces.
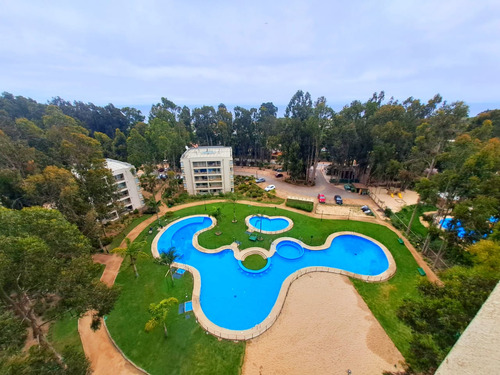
{"x":270,"y":187}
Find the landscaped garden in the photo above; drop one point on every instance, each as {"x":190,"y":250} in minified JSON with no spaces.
{"x":188,"y":349}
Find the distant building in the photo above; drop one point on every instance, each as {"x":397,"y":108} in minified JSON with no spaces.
{"x":127,"y":187}
{"x":208,"y":170}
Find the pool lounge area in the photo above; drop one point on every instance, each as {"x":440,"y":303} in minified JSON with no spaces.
{"x":232,"y":303}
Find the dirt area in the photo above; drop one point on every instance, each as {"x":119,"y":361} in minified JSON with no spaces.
{"x":344,"y":210}
{"x":325,"y":328}
{"x":395,"y":203}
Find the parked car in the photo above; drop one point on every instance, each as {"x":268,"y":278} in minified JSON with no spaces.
{"x":278,"y":169}
{"x":259,"y":180}
{"x":366,"y":210}
{"x":338,"y":199}
{"x":278,"y":175}
{"x":270,"y":187}
{"x":321,"y":198}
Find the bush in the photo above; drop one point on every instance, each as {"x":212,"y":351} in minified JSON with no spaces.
{"x":301,"y":205}
{"x":388,"y":212}
{"x":106,"y":240}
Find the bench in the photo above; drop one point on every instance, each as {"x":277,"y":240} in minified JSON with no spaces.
{"x":253,"y":237}
{"x":400,"y":240}
{"x":421,"y":271}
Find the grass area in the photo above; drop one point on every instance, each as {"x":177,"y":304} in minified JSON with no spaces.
{"x":119,"y":238}
{"x":188,"y":350}
{"x":417,"y":227}
{"x":64,"y":332}
{"x":254,"y":262}
{"x":300,"y":205}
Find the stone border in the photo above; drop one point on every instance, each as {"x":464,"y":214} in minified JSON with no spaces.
{"x":251,"y":228}
{"x":260,"y":328}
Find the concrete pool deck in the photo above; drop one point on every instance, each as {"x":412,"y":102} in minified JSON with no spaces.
{"x":251,"y":228}
{"x":260,"y":328}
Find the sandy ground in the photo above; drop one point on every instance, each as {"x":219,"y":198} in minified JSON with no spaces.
{"x":325,"y":328}
{"x":102,"y":354}
{"x":381,"y":197}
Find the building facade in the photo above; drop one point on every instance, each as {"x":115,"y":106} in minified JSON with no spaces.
{"x":127,"y":187}
{"x":208,"y":170}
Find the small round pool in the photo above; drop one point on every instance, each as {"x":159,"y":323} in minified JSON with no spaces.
{"x":289,"y":250}
{"x":269,"y":224}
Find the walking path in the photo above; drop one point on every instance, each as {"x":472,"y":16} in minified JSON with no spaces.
{"x":103,"y":355}
{"x":106,"y":358}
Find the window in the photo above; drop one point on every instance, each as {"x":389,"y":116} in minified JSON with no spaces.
{"x":199,"y":163}
{"x":119,"y":177}
{"x":121,"y":185}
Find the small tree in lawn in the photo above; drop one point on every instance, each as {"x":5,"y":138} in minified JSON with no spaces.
{"x":166,"y":259}
{"x":159,"y":312}
{"x":133,"y":250}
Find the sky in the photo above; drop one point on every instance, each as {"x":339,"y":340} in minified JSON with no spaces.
{"x":132,"y":53}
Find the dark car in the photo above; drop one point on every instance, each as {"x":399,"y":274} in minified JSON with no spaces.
{"x":278,"y":175}
{"x":338,"y":199}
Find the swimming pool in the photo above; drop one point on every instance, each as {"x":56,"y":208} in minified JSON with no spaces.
{"x":234,"y":299}
{"x":267,"y":224}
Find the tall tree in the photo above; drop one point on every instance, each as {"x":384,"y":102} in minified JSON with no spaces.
{"x":46,"y":270}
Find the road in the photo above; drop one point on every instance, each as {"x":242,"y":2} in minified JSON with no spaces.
{"x":284,"y":189}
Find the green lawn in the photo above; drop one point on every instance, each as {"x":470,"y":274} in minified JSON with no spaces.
{"x":417,"y":227}
{"x":64,"y":332}
{"x":188,"y":349}
{"x":254,"y":262}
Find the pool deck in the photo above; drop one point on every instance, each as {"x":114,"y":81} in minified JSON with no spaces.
{"x":242,"y":254}
{"x":251,"y":228}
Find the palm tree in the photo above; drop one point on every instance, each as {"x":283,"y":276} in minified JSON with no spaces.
{"x":133,"y":251}
{"x":154,"y":204}
{"x":166,"y":259}
{"x":159,"y":312}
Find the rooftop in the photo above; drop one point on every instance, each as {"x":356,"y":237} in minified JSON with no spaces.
{"x":207,"y":152}
{"x":477,"y":351}
{"x":115,"y":165}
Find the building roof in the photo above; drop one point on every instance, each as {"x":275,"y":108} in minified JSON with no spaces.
{"x":477,"y":351}
{"x":116,"y":165}
{"x":207,"y":152}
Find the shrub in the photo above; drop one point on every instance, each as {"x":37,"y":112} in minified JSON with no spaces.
{"x":388,"y":212}
{"x":301,"y":205}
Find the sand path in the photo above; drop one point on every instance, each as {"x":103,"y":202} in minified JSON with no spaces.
{"x":104,"y":357}
{"x":325,"y":328}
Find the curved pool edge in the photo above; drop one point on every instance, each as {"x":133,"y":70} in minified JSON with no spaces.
{"x":267,"y":323}
{"x":260,"y":328}
{"x":251,"y":228}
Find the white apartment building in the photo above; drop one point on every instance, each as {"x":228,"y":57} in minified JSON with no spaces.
{"x":127,"y":187}
{"x":208,"y":170}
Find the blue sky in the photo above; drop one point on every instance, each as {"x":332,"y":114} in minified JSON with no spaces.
{"x":246,"y":53}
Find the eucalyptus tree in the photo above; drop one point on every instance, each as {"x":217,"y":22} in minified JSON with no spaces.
{"x":46,"y":271}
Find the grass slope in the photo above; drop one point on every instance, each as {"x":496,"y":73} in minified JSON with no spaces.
{"x":188,"y":350}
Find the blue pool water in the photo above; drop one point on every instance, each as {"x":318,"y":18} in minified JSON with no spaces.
{"x":235,"y":299}
{"x":268,"y":224}
{"x":461,"y":232}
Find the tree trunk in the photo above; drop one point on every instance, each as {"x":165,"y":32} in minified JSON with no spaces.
{"x":165,"y":329}
{"x":408,"y":230}
{"x":135,"y":269}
